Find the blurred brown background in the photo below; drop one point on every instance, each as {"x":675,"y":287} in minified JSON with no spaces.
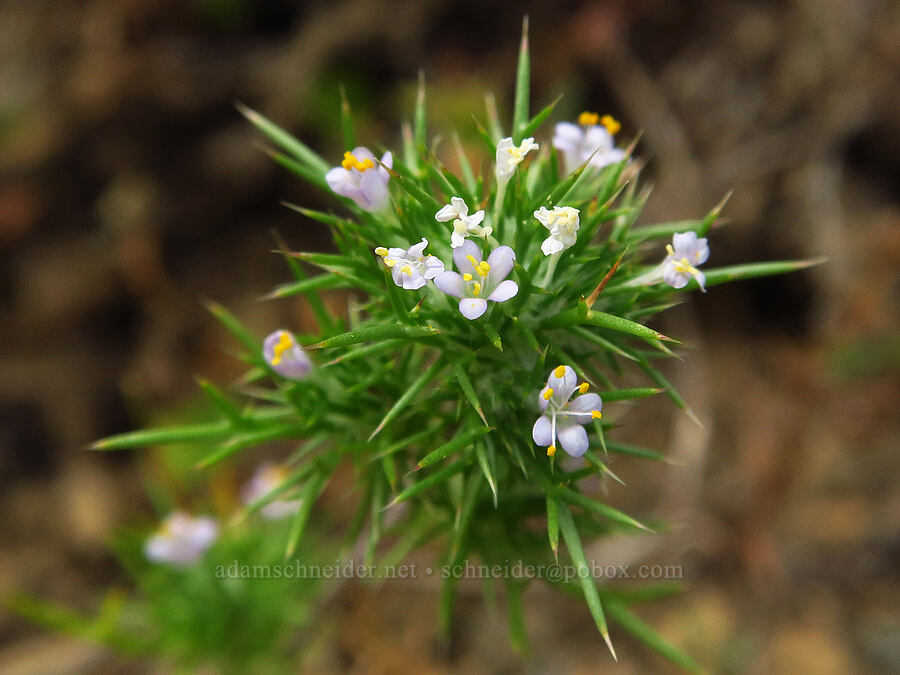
{"x":130,"y":189}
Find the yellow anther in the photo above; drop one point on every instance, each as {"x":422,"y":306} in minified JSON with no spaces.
{"x":471,"y":259}
{"x":560,"y":371}
{"x":669,"y":249}
{"x":611,"y":123}
{"x":583,"y":387}
{"x":476,"y":289}
{"x":351,"y":162}
{"x":483,"y":268}
{"x":285,"y":342}
{"x":596,"y":414}
{"x":548,"y":393}
{"x":467,"y":277}
{"x":389,"y":262}
{"x":684,"y":267}
{"x":406,"y":270}
{"x":588,"y":119}
{"x":381,"y":250}
{"x":551,"y":451}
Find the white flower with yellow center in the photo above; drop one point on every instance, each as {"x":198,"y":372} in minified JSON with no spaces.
{"x":411,"y":268}
{"x":360,"y":178}
{"x":563,"y":222}
{"x":592,"y":138}
{"x":562,"y":419}
{"x":509,"y":156}
{"x":463,"y":224}
{"x":285,"y":356}
{"x":181,"y":539}
{"x":267,"y":478}
{"x":480,"y":280}
{"x":684,"y":254}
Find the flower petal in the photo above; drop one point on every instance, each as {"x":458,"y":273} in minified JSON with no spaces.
{"x":562,"y":386}
{"x":459,"y":205}
{"x":501,"y":261}
{"x":461,"y":257}
{"x":472,"y":308}
{"x":552,"y":245}
{"x":506,"y":290}
{"x":433,"y":267}
{"x":585,"y":403}
{"x":450,"y":283}
{"x":573,"y":438}
{"x":684,"y":243}
{"x":701,"y":279}
{"x":542,"y":431}
{"x":567,"y":136}
{"x":342,"y":182}
{"x":373,"y":187}
{"x":446,"y":214}
{"x":416,"y":250}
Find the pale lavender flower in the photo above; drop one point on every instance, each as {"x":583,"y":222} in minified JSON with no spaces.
{"x":592,"y":138}
{"x":360,"y":178}
{"x":509,"y":156}
{"x":463,"y":224}
{"x":564,"y":419}
{"x":684,"y":254}
{"x":480,"y":281}
{"x":411,"y":268}
{"x":181,"y":539}
{"x":285,"y":356}
{"x":563,"y":222}
{"x":267,"y":478}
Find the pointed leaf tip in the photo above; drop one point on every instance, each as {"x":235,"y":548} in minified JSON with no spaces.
{"x":610,"y":646}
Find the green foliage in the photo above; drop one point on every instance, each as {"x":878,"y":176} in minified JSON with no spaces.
{"x":240,"y":609}
{"x":436,"y":411}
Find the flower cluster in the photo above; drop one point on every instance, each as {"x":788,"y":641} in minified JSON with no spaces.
{"x":423,"y":392}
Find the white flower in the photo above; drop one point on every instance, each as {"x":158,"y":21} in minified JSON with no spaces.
{"x":685,"y":252}
{"x":563,"y":222}
{"x":360,"y":178}
{"x":479,"y":280}
{"x":564,"y":419}
{"x":267,"y":478}
{"x":588,"y":140}
{"x":181,"y":539}
{"x":509,"y":156}
{"x":285,"y":356}
{"x":463,"y":223}
{"x":410,"y":268}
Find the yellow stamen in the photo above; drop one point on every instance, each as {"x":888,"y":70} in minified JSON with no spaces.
{"x":483,"y":268}
{"x":285,"y":342}
{"x":684,"y":267}
{"x":548,"y":394}
{"x":551,"y":451}
{"x":669,"y":249}
{"x":596,"y":414}
{"x":611,"y":123}
{"x":476,"y":289}
{"x":381,"y":250}
{"x":389,"y":262}
{"x":560,"y":371}
{"x":588,"y":119}
{"x":406,"y":270}
{"x":351,"y":162}
{"x":467,"y":277}
{"x":583,"y":387}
